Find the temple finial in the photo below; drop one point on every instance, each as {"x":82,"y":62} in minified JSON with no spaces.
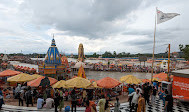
{"x":53,"y":41}
{"x":53,"y":35}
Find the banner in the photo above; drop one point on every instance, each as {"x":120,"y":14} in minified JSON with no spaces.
{"x":181,"y":87}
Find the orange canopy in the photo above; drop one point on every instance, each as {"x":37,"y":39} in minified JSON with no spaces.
{"x":9,"y":73}
{"x":161,"y":76}
{"x":108,"y":82}
{"x":36,"y":82}
{"x":145,"y":80}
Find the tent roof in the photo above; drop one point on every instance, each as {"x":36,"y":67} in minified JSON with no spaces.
{"x":130,"y":79}
{"x":60,"y":84}
{"x":36,"y":82}
{"x":23,"y":77}
{"x":108,"y":82}
{"x":161,"y":76}
{"x":8,"y":72}
{"x":78,"y":82}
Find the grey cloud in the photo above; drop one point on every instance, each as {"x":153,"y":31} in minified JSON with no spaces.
{"x":90,"y":18}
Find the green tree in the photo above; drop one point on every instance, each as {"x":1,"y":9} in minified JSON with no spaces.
{"x":107,"y":55}
{"x":185,"y":50}
{"x":114,"y":54}
{"x":120,"y":55}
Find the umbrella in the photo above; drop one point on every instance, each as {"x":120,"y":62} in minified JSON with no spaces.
{"x":42,"y":81}
{"x":23,"y":77}
{"x":9,"y":73}
{"x":60,"y":84}
{"x":130,"y":79}
{"x":78,"y":82}
{"x":36,"y":76}
{"x":108,"y":82}
{"x":161,"y":76}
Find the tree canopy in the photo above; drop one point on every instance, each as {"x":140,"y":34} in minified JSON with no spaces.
{"x":185,"y":50}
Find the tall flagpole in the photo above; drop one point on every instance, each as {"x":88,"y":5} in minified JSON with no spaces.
{"x":153,"y":49}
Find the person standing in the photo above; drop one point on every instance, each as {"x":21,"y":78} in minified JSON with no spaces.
{"x":21,"y":97}
{"x":1,"y":99}
{"x":74,"y":99}
{"x":88,"y":108}
{"x":101,"y":104}
{"x":93,"y":106}
{"x":29,"y":95}
{"x":66,"y":95}
{"x":17,"y":90}
{"x":107,"y":106}
{"x":35,"y":95}
{"x":168,"y":102}
{"x":61,"y":105}
{"x":149,"y":91}
{"x":14,"y":93}
{"x":134,"y":104}
{"x":84,"y":95}
{"x":146,"y":91}
{"x":153,"y":97}
{"x":130,"y":90}
{"x":141,"y":104}
{"x":117,"y":105}
{"x":56,"y":101}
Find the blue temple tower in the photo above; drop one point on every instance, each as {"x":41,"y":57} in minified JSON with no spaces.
{"x":52,"y":65}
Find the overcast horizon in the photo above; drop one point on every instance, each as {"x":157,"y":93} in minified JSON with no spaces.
{"x":101,"y":25}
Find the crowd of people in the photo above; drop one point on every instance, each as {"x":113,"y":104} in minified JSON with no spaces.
{"x":123,"y":68}
{"x":138,"y":97}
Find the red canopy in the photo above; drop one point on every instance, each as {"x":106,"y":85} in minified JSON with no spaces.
{"x":108,"y":82}
{"x":36,"y":82}
{"x":9,"y":73}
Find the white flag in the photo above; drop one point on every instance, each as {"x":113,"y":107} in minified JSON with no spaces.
{"x":162,"y":17}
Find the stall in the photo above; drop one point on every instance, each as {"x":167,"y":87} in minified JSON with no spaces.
{"x":180,"y":86}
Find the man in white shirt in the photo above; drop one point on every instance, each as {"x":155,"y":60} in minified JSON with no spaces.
{"x":134,"y":100}
{"x":49,"y":103}
{"x":40,"y":102}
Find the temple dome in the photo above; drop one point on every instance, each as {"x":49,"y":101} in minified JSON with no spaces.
{"x":79,"y":64}
{"x":53,"y":56}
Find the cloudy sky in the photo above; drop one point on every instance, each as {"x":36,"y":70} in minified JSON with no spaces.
{"x":101,"y":25}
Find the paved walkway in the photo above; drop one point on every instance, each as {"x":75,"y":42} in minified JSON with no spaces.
{"x":158,"y":107}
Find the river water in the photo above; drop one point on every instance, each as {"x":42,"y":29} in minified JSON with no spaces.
{"x":96,"y":74}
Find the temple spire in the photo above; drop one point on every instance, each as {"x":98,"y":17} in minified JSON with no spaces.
{"x":53,"y":41}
